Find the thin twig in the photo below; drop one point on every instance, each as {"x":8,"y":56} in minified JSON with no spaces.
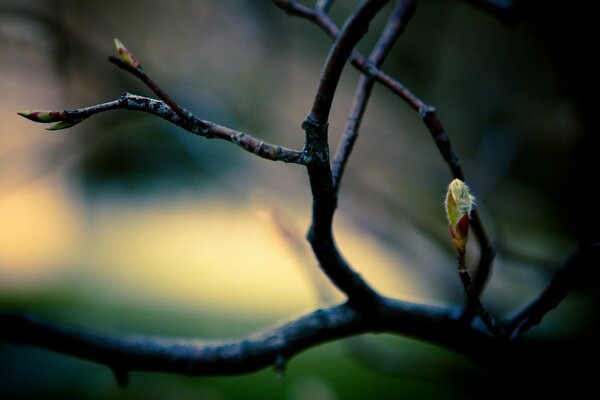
{"x":141,"y":74}
{"x":354,"y":29}
{"x":194,"y":125}
{"x":323,"y":21}
{"x":473,"y":297}
{"x":403,"y":11}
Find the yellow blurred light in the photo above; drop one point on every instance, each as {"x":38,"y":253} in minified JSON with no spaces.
{"x":38,"y":232}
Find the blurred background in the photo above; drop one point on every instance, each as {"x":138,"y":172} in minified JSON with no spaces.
{"x":125,"y":223}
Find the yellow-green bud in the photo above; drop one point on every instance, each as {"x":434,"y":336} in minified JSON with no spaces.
{"x":459,"y":204}
{"x":126,"y":55}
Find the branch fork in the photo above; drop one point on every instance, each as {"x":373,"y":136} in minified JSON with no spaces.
{"x":365,"y":310}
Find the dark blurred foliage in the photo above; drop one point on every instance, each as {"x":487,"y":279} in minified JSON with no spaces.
{"x":517,"y":99}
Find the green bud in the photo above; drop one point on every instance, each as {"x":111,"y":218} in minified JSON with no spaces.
{"x":126,"y":55}
{"x":43,"y":116}
{"x":64,"y":124}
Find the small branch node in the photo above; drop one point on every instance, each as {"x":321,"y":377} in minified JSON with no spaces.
{"x":121,"y":376}
{"x":280,"y":365}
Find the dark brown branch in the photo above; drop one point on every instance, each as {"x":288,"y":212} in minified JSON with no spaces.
{"x":322,"y":20}
{"x":189,"y":121}
{"x":560,"y":286}
{"x":430,"y":119}
{"x":354,"y":29}
{"x":316,"y":149}
{"x":397,"y":21}
{"x":194,"y":125}
{"x":196,"y":357}
{"x":320,"y":234}
{"x":442,"y":141}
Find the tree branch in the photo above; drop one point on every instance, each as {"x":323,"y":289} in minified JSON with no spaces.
{"x":354,"y":29}
{"x":207,"y":129}
{"x":402,"y":13}
{"x":322,"y":20}
{"x":141,"y":75}
{"x":270,"y":348}
{"x":431,"y":121}
{"x":560,"y":286}
{"x":366,"y":310}
{"x":316,"y":149}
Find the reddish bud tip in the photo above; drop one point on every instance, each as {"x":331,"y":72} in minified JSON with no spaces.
{"x":43,"y":116}
{"x":126,"y":55}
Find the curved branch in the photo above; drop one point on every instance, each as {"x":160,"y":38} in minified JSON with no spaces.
{"x":354,"y":29}
{"x":560,"y":286}
{"x":323,"y":21}
{"x":431,"y":121}
{"x":207,"y":129}
{"x":141,"y":75}
{"x":316,"y":148}
{"x":272,"y":347}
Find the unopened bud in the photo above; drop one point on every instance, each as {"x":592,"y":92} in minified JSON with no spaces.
{"x":43,"y":116}
{"x":126,"y":55}
{"x":459,"y":204}
{"x":64,"y":125}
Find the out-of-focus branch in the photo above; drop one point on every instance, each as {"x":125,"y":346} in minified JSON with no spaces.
{"x":560,"y":286}
{"x":68,"y":118}
{"x":167,"y":109}
{"x":271,"y":348}
{"x":322,"y":20}
{"x":506,"y":11}
{"x":430,"y":119}
{"x":403,"y":11}
{"x":316,"y":150}
{"x":293,"y":238}
{"x":324,"y":5}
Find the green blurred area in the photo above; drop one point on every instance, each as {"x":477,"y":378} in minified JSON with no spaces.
{"x":372,"y":367}
{"x":513,"y":100}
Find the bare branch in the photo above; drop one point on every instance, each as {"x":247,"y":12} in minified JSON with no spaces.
{"x":323,"y":21}
{"x":159,"y":108}
{"x":129,"y":63}
{"x":354,"y":29}
{"x":206,"y":358}
{"x":140,"y":74}
{"x":473,"y":298}
{"x":167,"y":109}
{"x":403,"y":11}
{"x":316,"y":148}
{"x":366,"y":310}
{"x":430,"y":119}
{"x":560,"y":286}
